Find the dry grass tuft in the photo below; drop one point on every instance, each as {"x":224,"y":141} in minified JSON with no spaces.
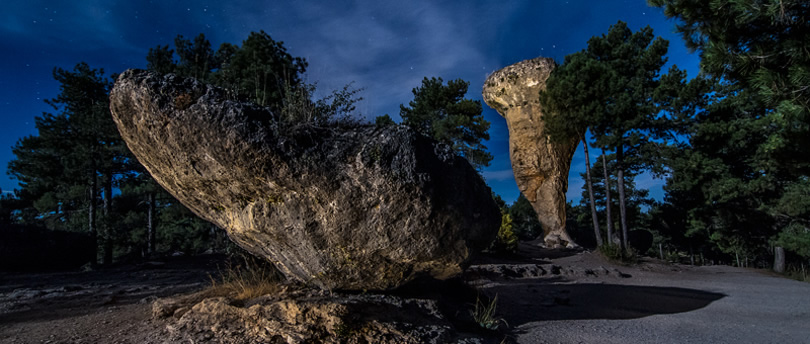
{"x":249,"y":279}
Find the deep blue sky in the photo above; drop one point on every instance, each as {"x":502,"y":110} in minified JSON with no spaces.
{"x":385,"y":46}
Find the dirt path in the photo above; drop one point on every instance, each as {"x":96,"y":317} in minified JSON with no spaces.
{"x":544,"y":296}
{"x":111,"y":305}
{"x":653,"y":303}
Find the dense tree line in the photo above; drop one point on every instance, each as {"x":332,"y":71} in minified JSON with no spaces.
{"x":731,"y":141}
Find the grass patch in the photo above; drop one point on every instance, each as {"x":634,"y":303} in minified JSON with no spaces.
{"x":484,"y":314}
{"x":614,"y":253}
{"x":798,"y":273}
{"x":248,"y":279}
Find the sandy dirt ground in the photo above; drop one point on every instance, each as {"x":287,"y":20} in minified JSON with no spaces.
{"x":593,"y":301}
{"x":544,"y":296}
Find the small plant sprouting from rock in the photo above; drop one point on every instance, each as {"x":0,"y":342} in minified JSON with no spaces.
{"x":484,"y":314}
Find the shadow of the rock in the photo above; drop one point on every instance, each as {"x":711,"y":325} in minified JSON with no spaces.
{"x":525,"y":302}
{"x":528,"y":253}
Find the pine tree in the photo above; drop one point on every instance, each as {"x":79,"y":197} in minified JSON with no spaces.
{"x":75,"y":157}
{"x":524,"y":219}
{"x":441,"y":112}
{"x":609,"y":89}
{"x":261,"y":70}
{"x":747,"y":154}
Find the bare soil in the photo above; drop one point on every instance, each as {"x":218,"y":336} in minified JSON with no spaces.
{"x":544,"y":296}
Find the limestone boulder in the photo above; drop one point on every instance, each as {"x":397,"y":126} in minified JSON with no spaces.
{"x":540,"y":165}
{"x":338,"y":318}
{"x":348,"y":206}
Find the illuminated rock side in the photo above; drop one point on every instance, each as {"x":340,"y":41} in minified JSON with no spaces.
{"x":349,"y":206}
{"x":540,"y":166}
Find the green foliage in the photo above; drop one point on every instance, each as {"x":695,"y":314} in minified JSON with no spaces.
{"x":384,"y":121}
{"x":796,"y":238}
{"x":761,"y":44}
{"x":484,"y":314}
{"x":441,"y":112}
{"x":72,"y":149}
{"x":179,"y":230}
{"x":299,"y":108}
{"x":261,"y":70}
{"x":161,"y":59}
{"x":500,"y":202}
{"x":506,"y":241}
{"x":7,"y":207}
{"x":615,"y":253}
{"x":524,"y":219}
{"x":636,"y":199}
{"x":742,"y":176}
{"x":614,"y":89}
{"x":196,"y":58}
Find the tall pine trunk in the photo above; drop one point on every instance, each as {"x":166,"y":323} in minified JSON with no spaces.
{"x":150,"y":225}
{"x":620,"y":181}
{"x":91,"y":211}
{"x":108,"y":244}
{"x":596,"y":230}
{"x":608,"y":203}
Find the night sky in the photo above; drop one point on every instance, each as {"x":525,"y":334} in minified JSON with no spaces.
{"x":387,"y":47}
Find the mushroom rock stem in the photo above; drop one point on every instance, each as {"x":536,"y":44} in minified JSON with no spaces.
{"x":539,"y":164}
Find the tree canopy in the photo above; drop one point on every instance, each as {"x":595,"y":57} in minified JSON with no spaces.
{"x":440,"y":111}
{"x":746,"y":159}
{"x":610,"y":89}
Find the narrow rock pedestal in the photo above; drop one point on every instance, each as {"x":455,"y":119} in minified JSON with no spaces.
{"x":540,"y":165}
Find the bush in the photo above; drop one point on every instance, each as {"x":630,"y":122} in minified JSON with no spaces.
{"x":506,"y":241}
{"x":798,"y":273}
{"x":614,"y":253}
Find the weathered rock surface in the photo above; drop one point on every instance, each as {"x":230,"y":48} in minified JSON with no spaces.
{"x":344,"y":207}
{"x":540,"y":165}
{"x":317,"y":319}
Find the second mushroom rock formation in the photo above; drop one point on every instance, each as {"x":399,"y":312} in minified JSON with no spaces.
{"x":540,"y":165}
{"x":350,"y":206}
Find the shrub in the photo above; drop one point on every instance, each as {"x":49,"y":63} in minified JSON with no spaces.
{"x":614,"y":253}
{"x":506,"y":241}
{"x":798,"y":273}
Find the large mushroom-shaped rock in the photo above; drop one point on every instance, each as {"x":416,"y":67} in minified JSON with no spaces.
{"x":349,"y":206}
{"x":540,"y":165}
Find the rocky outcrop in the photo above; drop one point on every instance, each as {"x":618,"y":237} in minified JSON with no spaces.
{"x":317,"y":319}
{"x":342,"y":207}
{"x":540,"y":165}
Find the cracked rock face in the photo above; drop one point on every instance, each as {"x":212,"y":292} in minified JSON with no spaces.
{"x":540,"y":165}
{"x":349,"y":207}
{"x":312,"y":319}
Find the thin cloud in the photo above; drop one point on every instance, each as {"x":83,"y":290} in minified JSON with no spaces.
{"x":499,"y":175}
